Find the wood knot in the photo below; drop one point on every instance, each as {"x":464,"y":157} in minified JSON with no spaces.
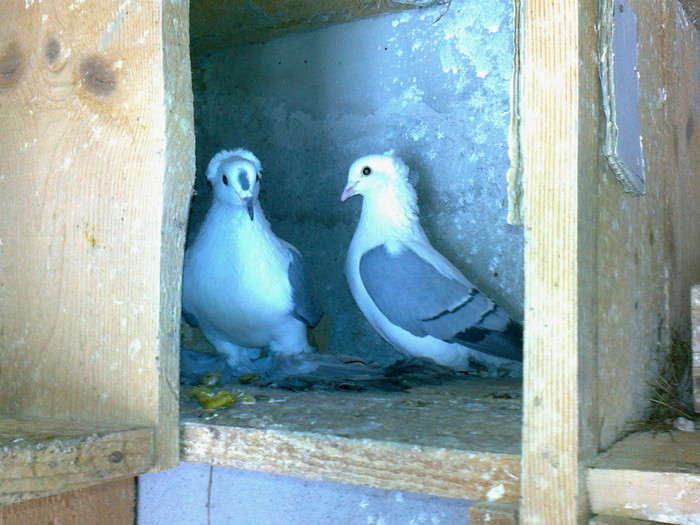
{"x":97,"y":76}
{"x":116,"y":457}
{"x":11,"y":65}
{"x":55,"y":53}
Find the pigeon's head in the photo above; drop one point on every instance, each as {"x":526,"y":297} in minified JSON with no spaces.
{"x":235,"y":177}
{"x":376,"y":175}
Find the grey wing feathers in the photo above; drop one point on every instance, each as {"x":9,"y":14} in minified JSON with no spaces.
{"x":189,"y":318}
{"x":412,"y":294}
{"x":307,"y":305}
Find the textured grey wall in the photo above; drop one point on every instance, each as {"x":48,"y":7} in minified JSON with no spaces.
{"x":195,"y":494}
{"x":308,"y":104}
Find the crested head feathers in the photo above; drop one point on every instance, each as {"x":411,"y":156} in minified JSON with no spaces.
{"x":224,"y":154}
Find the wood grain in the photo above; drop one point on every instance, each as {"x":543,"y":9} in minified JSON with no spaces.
{"x":459,"y":440}
{"x":488,"y":513}
{"x":647,"y":247}
{"x":393,"y":466}
{"x":40,"y":456}
{"x":95,"y":177}
{"x":560,"y":141}
{"x":178,"y":181}
{"x":110,"y":503}
{"x":607,"y":274}
{"x":649,"y":477}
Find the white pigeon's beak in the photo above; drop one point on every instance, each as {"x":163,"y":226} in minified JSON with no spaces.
{"x":348,"y":192}
{"x":248,"y":201}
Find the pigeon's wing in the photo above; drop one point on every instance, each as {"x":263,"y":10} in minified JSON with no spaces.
{"x":189,"y":318}
{"x":410,"y":291}
{"x":306,"y":303}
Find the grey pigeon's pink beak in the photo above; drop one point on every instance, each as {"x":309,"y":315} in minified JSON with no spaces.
{"x":348,"y":192}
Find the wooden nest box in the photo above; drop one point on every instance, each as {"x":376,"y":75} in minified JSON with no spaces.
{"x":96,"y":172}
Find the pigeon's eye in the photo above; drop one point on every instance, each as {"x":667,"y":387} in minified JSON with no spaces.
{"x":366,"y":170}
{"x":225,"y":180}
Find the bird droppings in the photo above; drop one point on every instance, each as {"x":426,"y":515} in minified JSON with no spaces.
{"x":421,"y":416}
{"x":495,"y":493}
{"x":212,"y":399}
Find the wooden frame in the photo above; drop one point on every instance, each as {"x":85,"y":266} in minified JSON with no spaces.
{"x":607,"y":274}
{"x":91,"y":249}
{"x":96,"y":172}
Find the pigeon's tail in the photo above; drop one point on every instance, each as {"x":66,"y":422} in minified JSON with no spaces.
{"x":505,"y":345}
{"x":304,"y":371}
{"x":195,"y":366}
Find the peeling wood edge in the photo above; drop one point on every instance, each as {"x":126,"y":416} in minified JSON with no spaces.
{"x":516,"y":213}
{"x":393,"y":466}
{"x":664,"y":496}
{"x":178,"y":182}
{"x":616,"y":520}
{"x":629,"y":181}
{"x":52,"y":465}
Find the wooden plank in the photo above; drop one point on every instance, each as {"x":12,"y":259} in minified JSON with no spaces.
{"x":473,"y":414}
{"x":695,"y":327}
{"x":221,"y":24}
{"x":95,"y":178}
{"x":682,"y":142}
{"x":488,"y":513}
{"x":42,"y":457}
{"x":393,"y":466}
{"x":109,"y":503}
{"x":458,"y":440}
{"x":178,"y":182}
{"x":560,"y":117}
{"x":649,"y":477}
{"x":594,"y":340}
{"x":649,"y":240}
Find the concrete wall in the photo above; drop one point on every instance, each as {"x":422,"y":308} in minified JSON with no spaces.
{"x":437,"y":91}
{"x":199,"y":494}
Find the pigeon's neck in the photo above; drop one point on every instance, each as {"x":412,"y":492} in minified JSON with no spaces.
{"x":389,"y":217}
{"x":237,"y":218}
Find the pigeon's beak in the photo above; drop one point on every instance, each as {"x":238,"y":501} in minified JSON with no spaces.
{"x":348,"y":192}
{"x":248,"y":201}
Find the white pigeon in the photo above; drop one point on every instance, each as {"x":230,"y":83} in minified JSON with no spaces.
{"x":248,"y":291}
{"x":414,"y":297}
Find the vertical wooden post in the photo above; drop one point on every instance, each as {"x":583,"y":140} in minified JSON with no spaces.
{"x":561,"y":164}
{"x":96,"y":172}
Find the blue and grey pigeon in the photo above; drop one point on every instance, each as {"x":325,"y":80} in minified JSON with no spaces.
{"x":414,"y":297}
